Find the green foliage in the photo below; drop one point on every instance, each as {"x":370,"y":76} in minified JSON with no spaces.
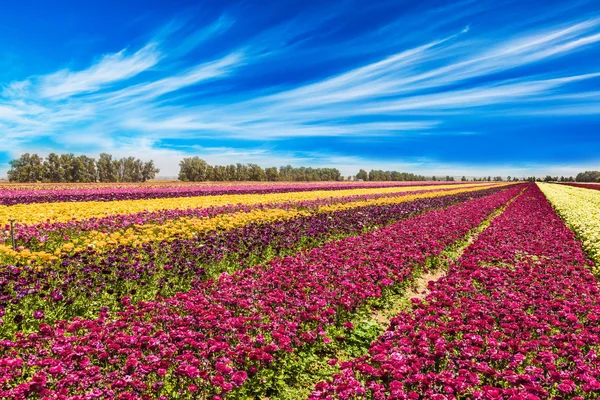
{"x":362,"y":174}
{"x":27,"y":168}
{"x":81,"y":169}
{"x":195,"y":169}
{"x":379,"y":175}
{"x":130,"y":169}
{"x":588,"y":176}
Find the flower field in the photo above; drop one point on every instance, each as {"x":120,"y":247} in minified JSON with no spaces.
{"x":580,"y":208}
{"x":516,"y":317}
{"x":46,"y":230}
{"x":277,"y":291}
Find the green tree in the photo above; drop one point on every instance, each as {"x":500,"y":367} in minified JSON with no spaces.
{"x":86,"y":169}
{"x":193,"y":169}
{"x":272,"y":174}
{"x":106,"y":168}
{"x":53,"y":169}
{"x":219,"y":173}
{"x":149,"y":171}
{"x":588,"y":176}
{"x":230,"y":172}
{"x":27,"y":168}
{"x":256,"y":173}
{"x":241,"y":172}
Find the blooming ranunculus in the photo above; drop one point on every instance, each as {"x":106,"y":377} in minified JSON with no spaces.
{"x":239,"y":378}
{"x":39,"y":314}
{"x":566,"y":386}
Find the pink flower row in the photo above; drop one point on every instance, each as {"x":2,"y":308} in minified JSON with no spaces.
{"x":518,"y":317}
{"x":211,"y":340}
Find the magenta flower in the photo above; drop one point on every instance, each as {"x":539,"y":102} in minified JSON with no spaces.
{"x":510,"y":320}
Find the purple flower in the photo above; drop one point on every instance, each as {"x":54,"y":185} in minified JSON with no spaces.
{"x":39,"y":314}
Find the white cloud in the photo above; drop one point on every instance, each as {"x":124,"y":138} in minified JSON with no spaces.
{"x":109,"y":69}
{"x":193,"y":76}
{"x":412,"y":90}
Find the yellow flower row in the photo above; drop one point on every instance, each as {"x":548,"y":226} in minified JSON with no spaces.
{"x":580,"y":209}
{"x":189,"y":227}
{"x":62,"y":212}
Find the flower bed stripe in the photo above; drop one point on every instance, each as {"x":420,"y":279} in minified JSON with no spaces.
{"x":515,"y":318}
{"x":29,"y":235}
{"x":593,"y":186}
{"x":190,"y":227}
{"x":67,"y":211}
{"x":210,"y":340}
{"x":580,"y":208}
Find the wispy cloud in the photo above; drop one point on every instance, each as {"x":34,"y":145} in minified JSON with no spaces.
{"x":193,"y":76}
{"x":226,"y":80}
{"x":109,"y":69}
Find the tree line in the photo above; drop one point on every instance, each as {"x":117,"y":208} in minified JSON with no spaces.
{"x":195,"y":169}
{"x":80,"y":169}
{"x":588,"y":176}
{"x":379,"y":175}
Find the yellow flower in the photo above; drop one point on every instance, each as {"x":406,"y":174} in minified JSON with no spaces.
{"x":137,"y":235}
{"x":62,"y":212}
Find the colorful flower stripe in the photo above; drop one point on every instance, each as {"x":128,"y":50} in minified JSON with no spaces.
{"x":516,"y":318}
{"x":11,"y":197}
{"x":29,"y":236}
{"x":593,"y":186}
{"x":580,"y":208}
{"x":61,"y":212}
{"x":189,"y":227}
{"x":64,"y":289}
{"x":137,"y":235}
{"x":210,"y":340}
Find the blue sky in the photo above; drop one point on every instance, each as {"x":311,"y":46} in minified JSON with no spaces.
{"x":433,"y":87}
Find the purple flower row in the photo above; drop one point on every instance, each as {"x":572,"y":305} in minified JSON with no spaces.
{"x":212,"y":339}
{"x":516,"y":318}
{"x":12,"y":197}
{"x":82,"y":283}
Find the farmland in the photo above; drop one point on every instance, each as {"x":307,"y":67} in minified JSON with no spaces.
{"x":325,"y":290}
